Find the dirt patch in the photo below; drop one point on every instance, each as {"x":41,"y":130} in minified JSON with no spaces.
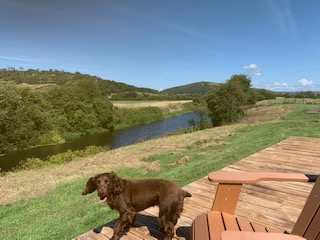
{"x":266,"y":113}
{"x":152,"y":166}
{"x":182,"y":161}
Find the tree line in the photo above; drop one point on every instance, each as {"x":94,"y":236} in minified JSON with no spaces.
{"x":29,"y":118}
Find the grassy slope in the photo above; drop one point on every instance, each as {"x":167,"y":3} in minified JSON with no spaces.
{"x":43,"y":79}
{"x":63,"y":213}
{"x":134,"y":113}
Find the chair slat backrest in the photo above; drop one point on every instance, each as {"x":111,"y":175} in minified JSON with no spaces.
{"x":308,"y":223}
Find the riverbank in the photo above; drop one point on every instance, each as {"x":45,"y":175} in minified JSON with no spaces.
{"x":57,"y":210}
{"x":124,"y":118}
{"x":88,"y":145}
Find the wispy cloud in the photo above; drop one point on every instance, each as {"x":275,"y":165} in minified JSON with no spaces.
{"x":282,"y":15}
{"x":305,"y":82}
{"x":253,"y":69}
{"x":16,"y":59}
{"x":302,"y":84}
{"x":281,"y":86}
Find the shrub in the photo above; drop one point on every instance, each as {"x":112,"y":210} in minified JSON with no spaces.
{"x":60,"y":158}
{"x":72,"y":155}
{"x":52,"y":137}
{"x":32,"y":163}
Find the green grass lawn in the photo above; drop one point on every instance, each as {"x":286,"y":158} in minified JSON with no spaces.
{"x":64,"y":213}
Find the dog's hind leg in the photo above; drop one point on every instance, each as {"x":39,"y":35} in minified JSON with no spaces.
{"x":162,"y":219}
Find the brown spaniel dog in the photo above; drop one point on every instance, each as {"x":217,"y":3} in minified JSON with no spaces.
{"x":129,"y":197}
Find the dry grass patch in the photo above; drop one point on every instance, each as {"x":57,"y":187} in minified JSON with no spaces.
{"x":266,"y":113}
{"x":159,"y":104}
{"x":152,"y":166}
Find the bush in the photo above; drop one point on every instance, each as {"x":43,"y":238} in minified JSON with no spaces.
{"x":70,"y":155}
{"x":52,"y":137}
{"x":32,"y":163}
{"x":60,"y":158}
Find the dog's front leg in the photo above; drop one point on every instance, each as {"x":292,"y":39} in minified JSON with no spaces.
{"x":125,"y":221}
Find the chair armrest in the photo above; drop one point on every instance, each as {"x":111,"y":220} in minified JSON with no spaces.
{"x":232,"y":235}
{"x":230,"y":183}
{"x":254,"y":177}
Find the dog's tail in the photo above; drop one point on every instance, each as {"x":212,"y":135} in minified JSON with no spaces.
{"x":186,"y":194}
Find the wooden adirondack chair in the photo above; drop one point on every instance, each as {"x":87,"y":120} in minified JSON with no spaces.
{"x":221,"y":223}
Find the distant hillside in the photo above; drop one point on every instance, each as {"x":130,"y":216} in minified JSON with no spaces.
{"x":192,"y":89}
{"x":41,"y":80}
{"x":202,"y":89}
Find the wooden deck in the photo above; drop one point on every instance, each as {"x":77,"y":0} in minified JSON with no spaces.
{"x":270,"y":203}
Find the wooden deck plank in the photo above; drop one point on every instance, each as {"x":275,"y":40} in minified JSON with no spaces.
{"x":273,"y":204}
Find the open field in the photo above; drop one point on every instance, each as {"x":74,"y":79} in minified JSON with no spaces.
{"x":283,"y":100}
{"x":159,"y":104}
{"x":57,"y":211}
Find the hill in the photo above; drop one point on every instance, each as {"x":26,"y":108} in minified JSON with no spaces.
{"x":202,"y":89}
{"x":193,"y":89}
{"x":42,"y":80}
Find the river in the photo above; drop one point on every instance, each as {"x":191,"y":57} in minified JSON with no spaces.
{"x":112,"y":140}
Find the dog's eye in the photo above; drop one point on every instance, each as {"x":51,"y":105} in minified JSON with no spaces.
{"x":105,"y":181}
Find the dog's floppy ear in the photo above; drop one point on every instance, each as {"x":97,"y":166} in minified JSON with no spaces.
{"x":116,"y":184}
{"x":91,"y":186}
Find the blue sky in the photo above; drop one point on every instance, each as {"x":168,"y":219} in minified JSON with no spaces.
{"x":164,"y":43}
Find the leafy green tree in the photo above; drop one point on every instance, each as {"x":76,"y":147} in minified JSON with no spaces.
{"x":23,"y":118}
{"x":225,"y":103}
{"x":243,"y":84}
